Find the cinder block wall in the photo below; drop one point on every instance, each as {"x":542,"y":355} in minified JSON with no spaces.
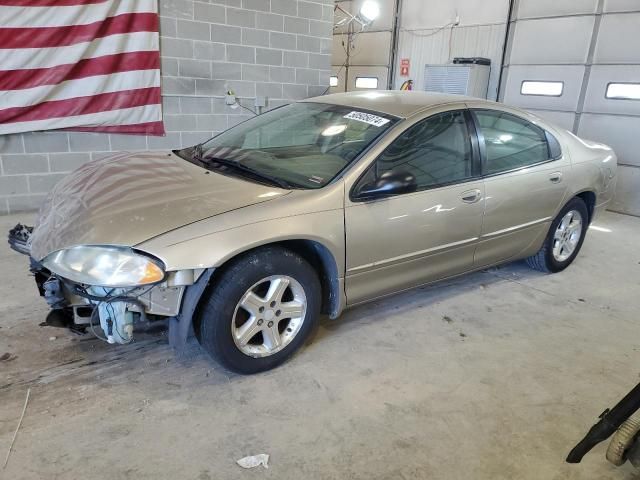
{"x":279,"y":49}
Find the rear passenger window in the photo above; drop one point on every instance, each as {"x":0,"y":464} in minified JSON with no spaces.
{"x":511,"y":142}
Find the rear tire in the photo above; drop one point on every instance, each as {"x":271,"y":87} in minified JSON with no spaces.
{"x":260,"y":310}
{"x":564,"y":240}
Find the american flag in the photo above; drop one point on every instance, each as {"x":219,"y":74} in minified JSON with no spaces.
{"x":89,"y":65}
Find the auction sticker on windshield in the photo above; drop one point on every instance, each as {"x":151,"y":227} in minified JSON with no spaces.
{"x":367,"y":118}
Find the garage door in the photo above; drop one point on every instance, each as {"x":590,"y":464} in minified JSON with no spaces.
{"x":569,"y":62}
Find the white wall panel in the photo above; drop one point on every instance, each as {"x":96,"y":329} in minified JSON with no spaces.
{"x":559,"y":119}
{"x":552,"y":41}
{"x":426,"y":14}
{"x":614,"y":130}
{"x":432,"y":47}
{"x":621,"y":5}
{"x":571,"y":75}
{"x":618,"y":39}
{"x":627,"y":198}
{"x":601,"y":75}
{"x":553,"y":8}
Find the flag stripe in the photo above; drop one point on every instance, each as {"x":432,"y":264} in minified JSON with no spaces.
{"x":148,"y":128}
{"x":83,"y":105}
{"x":44,"y":37}
{"x":58,"y":15}
{"x":30,"y":58}
{"x":83,"y":87}
{"x":125,"y":116}
{"x":48,"y":3}
{"x":122,"y":62}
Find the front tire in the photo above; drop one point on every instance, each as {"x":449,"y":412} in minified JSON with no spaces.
{"x":564,"y":239}
{"x":260,"y":310}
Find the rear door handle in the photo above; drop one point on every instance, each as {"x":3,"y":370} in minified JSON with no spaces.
{"x":555,"y":177}
{"x":471,"y":196}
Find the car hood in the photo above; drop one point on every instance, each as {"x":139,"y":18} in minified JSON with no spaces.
{"x":130,"y":198}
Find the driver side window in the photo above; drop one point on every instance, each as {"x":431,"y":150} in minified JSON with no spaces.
{"x":435,"y":151}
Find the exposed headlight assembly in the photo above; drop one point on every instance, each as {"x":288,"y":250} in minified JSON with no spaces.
{"x":105,"y":266}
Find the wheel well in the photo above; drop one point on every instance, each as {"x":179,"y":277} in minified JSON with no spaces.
{"x":589,"y":198}
{"x":323,"y":262}
{"x":320,"y":259}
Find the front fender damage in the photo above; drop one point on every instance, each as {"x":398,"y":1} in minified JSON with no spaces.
{"x":181,"y":325}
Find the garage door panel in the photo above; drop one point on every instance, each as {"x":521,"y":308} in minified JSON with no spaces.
{"x":381,"y":73}
{"x":371,"y":48}
{"x":613,"y":29}
{"x":426,"y":14}
{"x":560,"y":119}
{"x":621,"y":5}
{"x":616,"y":131}
{"x":570,"y":75}
{"x":552,"y":8}
{"x":338,"y":54}
{"x":627,"y":198}
{"x":600,"y":77}
{"x":338,"y":71}
{"x":552,"y":41}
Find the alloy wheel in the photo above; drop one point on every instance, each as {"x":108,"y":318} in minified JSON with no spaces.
{"x":268,"y":316}
{"x":567,"y":235}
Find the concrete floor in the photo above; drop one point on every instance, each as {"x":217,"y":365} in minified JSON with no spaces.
{"x":492,"y":376}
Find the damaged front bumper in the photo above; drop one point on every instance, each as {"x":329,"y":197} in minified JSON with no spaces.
{"x":115,"y":311}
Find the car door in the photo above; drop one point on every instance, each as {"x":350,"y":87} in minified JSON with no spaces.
{"x":399,"y":241}
{"x":525,"y":185}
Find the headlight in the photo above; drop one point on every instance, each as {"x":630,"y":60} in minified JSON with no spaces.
{"x":105,"y":266}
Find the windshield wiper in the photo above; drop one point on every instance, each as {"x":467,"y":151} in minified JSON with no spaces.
{"x":250,"y":171}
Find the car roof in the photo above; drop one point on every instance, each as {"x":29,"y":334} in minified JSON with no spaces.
{"x":398,"y":103}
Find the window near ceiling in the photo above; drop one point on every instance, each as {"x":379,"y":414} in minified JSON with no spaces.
{"x":511,"y":142}
{"x":436,"y":151}
{"x":623,"y":91}
{"x":333,"y":81}
{"x":545,"y":89}
{"x":366,"y":82}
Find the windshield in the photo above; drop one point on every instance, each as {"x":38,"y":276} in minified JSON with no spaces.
{"x":303,"y":145}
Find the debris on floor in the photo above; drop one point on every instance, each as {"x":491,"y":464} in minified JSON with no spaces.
{"x":447,"y":319}
{"x":253,"y":461}
{"x":15,"y":434}
{"x":6,"y":357}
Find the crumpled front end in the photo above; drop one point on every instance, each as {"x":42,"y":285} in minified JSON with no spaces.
{"x":110,"y":313}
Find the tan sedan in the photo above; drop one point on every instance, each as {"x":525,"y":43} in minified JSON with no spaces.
{"x":312,"y":207}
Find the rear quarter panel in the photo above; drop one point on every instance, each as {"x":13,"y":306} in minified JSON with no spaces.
{"x":593,"y":168}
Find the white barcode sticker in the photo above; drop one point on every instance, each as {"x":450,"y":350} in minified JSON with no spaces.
{"x":367,"y":118}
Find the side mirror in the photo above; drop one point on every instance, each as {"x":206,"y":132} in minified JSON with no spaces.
{"x":389,"y":183}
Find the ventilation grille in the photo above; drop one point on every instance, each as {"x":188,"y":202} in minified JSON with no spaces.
{"x":446,"y":79}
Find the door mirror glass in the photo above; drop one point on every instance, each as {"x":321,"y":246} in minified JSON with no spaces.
{"x":389,"y":183}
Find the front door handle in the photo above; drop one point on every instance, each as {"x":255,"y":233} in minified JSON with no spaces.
{"x":471,"y":196}
{"x":555,"y":177}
